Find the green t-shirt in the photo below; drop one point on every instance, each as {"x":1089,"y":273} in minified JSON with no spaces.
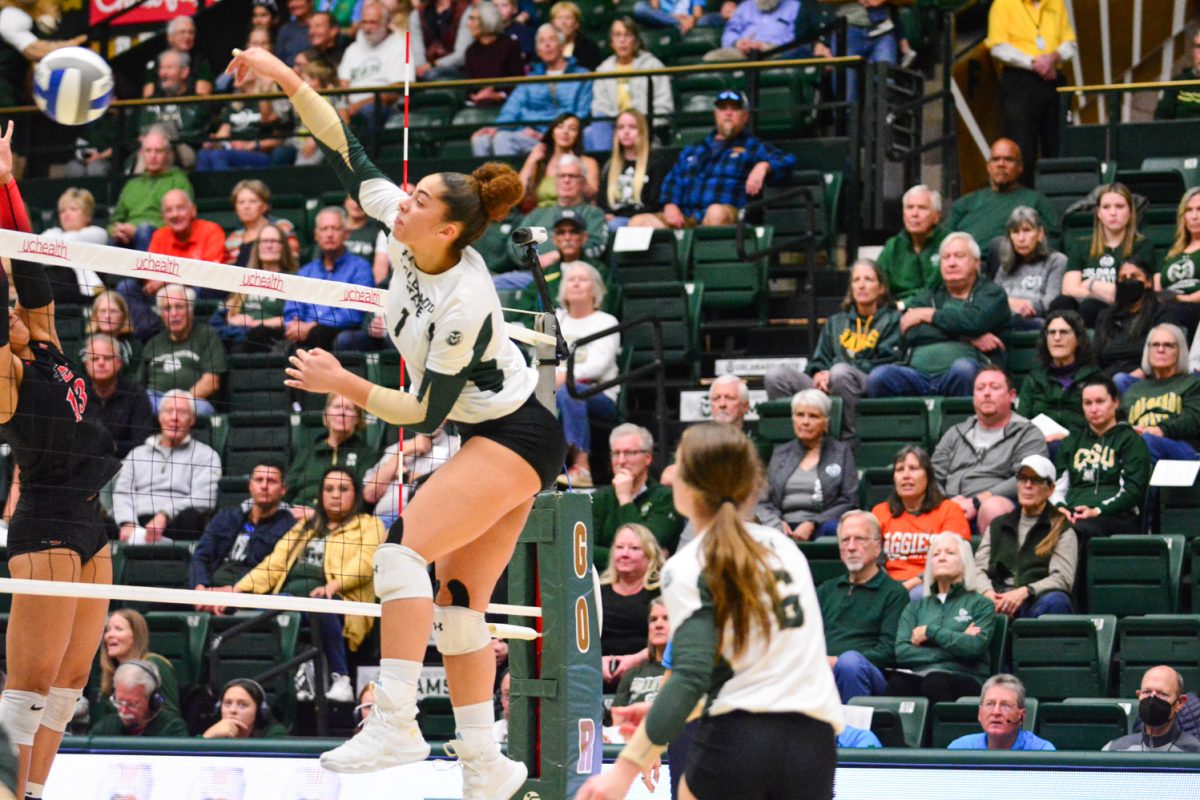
{"x":908,"y":271}
{"x":1178,"y":274}
{"x":262,"y":308}
{"x":1103,"y":268}
{"x":168,"y":365}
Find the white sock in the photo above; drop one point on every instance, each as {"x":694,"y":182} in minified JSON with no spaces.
{"x":474,"y":724}
{"x":34,"y":791}
{"x":399,"y":679}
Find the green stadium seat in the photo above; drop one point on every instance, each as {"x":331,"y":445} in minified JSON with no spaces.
{"x":1057,"y":656}
{"x":436,"y":718}
{"x":475,"y":117}
{"x":1126,"y":704}
{"x":950,"y":411}
{"x":663,"y":261}
{"x":677,"y":307}
{"x":949,"y":721}
{"x":998,"y":644}
{"x":1065,"y":180}
{"x":256,"y":383}
{"x":874,"y":486}
{"x":1160,"y":187}
{"x":1187,"y":166}
{"x":1178,"y":510}
{"x":383,"y":368}
{"x":1076,"y":725}
{"x":254,"y":436}
{"x":1077,"y":229}
{"x":1021,"y":355}
{"x":232,"y":490}
{"x":730,"y":281}
{"x":1131,"y":575}
{"x":179,"y":636}
{"x":786,"y":102}
{"x":254,"y":652}
{"x":824,"y":559}
{"x":788,"y":213}
{"x":1145,"y":642}
{"x":887,"y":424}
{"x":698,"y":41}
{"x":912,"y":714}
{"x":1157,"y":224}
{"x":162,"y":565}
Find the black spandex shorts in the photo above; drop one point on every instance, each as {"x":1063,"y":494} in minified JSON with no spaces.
{"x":45,"y":521}
{"x":762,"y":757}
{"x":531,"y":432}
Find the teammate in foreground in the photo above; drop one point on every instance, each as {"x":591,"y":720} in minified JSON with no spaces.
{"x":56,"y":533}
{"x":444,"y":317}
{"x":746,"y":630}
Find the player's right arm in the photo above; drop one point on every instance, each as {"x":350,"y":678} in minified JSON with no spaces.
{"x":378,"y":196}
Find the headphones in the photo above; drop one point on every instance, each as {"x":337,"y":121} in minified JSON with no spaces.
{"x":262,"y":711}
{"x":156,"y":699}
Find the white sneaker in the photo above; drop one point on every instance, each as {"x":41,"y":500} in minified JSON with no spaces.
{"x":388,"y":739}
{"x":498,"y":779}
{"x":340,"y":690}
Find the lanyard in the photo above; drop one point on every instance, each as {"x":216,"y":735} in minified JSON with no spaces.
{"x":1037,"y":22}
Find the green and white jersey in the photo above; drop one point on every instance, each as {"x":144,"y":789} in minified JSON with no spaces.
{"x":788,"y":674}
{"x":449,"y":324}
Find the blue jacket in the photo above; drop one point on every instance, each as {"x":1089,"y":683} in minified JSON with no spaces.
{"x":715,"y":171}
{"x":217,"y":543}
{"x":534,"y":102}
{"x":347,"y":269}
{"x":978,"y":741}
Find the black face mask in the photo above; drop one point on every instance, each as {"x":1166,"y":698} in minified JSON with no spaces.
{"x":1129,"y":292}
{"x":1154,"y":711}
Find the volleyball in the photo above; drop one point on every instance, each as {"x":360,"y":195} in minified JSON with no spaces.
{"x":73,"y":85}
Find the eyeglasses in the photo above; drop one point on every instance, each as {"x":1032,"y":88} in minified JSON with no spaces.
{"x":1032,"y":479}
{"x":628,"y":453}
{"x":568,"y":176}
{"x":1164,"y":346}
{"x":1003,"y":705}
{"x":270,"y":241}
{"x":1059,"y":332}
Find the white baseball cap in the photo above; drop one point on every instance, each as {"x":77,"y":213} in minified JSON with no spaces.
{"x":1040,"y":465}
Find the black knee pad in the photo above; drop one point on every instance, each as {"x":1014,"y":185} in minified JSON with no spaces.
{"x":396,"y":532}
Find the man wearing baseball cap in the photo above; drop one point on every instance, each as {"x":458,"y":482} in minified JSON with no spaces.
{"x":1030,"y":555}
{"x":713,"y":178}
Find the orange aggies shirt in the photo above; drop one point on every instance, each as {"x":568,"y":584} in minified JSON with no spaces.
{"x":906,"y":537}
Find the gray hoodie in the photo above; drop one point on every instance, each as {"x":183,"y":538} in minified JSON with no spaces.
{"x":157,"y":479}
{"x":962,"y":471}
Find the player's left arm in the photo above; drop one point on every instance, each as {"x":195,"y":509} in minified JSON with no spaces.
{"x":35,"y":301}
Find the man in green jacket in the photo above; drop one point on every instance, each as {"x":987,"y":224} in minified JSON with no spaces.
{"x":861,"y":610}
{"x":140,"y":705}
{"x":949,"y":333}
{"x":138,"y":212}
{"x":910,"y":259}
{"x":633,"y":496}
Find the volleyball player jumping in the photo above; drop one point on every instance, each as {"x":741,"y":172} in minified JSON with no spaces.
{"x":56,"y":533}
{"x":444,"y":317}
{"x":746,"y":631}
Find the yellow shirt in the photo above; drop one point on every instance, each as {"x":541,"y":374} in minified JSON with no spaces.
{"x":1034,"y":29}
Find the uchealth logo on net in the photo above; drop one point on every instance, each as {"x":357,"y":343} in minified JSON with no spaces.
{"x":160,"y":264}
{"x":255,"y":280}
{"x":55,"y":248}
{"x":363,"y":295}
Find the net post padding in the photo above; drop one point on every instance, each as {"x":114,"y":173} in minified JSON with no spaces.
{"x":555,"y":711}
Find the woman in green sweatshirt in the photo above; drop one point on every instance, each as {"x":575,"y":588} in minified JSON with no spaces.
{"x":1055,"y":388}
{"x":942,"y":644}
{"x":1165,"y":407}
{"x":1103,"y":470}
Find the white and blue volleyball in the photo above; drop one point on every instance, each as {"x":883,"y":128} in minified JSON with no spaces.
{"x":73,"y":85}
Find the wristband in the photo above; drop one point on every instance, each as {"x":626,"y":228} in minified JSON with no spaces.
{"x":640,"y":750}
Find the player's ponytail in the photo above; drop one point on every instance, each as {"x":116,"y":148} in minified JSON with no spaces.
{"x":720,"y":464}
{"x":486,"y":195}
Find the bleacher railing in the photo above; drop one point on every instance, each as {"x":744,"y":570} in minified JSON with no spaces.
{"x":1113,"y":96}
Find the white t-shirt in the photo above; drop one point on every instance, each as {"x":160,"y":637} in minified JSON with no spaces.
{"x":791,"y":673}
{"x":450,"y":323}
{"x":596,"y":362}
{"x":364,"y":65}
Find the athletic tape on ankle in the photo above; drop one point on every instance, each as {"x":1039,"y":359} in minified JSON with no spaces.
{"x":401,"y":573}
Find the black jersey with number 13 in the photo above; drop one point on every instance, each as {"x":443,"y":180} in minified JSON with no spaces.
{"x":55,"y":437}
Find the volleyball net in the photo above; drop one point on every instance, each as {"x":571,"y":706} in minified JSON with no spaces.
{"x":258,"y":498}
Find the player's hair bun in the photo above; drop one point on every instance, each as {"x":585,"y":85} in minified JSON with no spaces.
{"x":500,"y":189}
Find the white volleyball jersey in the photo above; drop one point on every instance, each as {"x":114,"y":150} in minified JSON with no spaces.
{"x":790,"y":674}
{"x":450,"y":323}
